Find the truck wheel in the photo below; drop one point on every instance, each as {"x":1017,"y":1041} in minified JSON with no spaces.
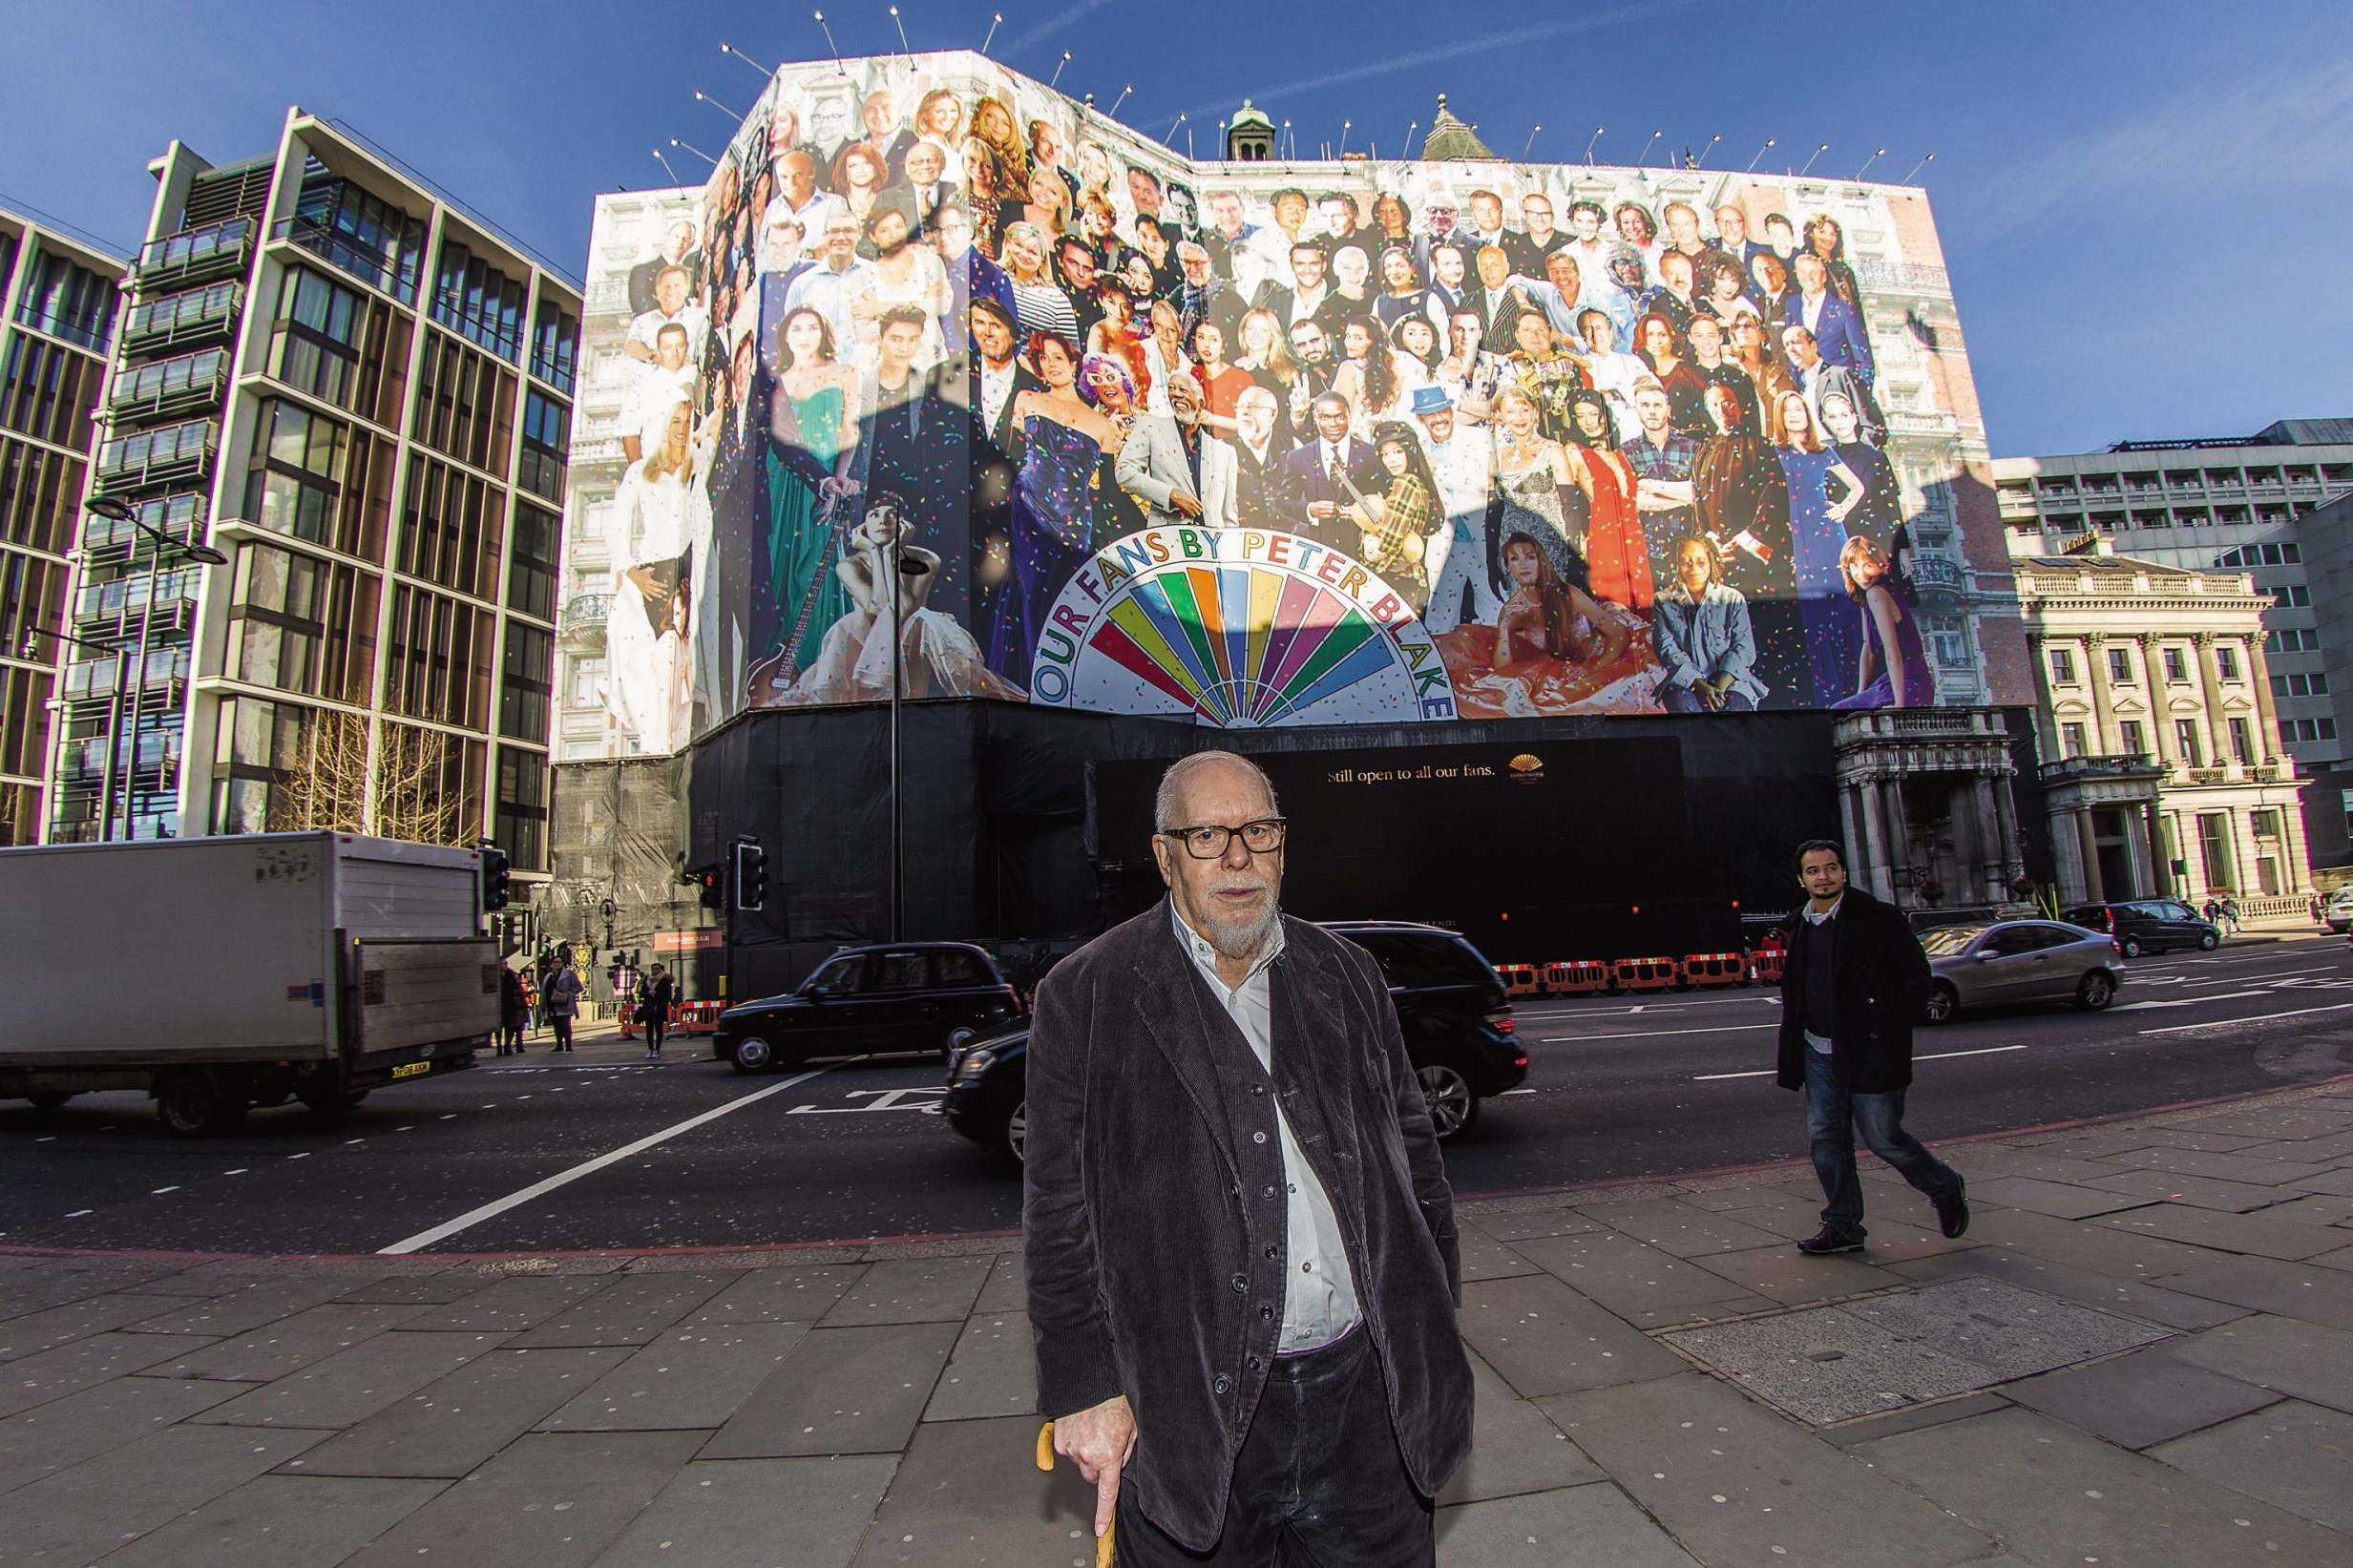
{"x":48,"y":1102}
{"x":197,"y":1103}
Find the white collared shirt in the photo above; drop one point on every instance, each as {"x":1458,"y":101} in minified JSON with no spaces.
{"x":1320,"y":1294}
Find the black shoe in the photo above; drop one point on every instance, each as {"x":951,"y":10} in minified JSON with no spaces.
{"x":1953,"y":1218}
{"x":1829,"y":1239}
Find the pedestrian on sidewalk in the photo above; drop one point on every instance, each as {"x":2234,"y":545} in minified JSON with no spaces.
{"x":2212,"y":909}
{"x":2230,"y":914}
{"x":1854,"y":982}
{"x":654,"y":994}
{"x":512,"y":1010}
{"x":1239,"y":1240}
{"x":2319,"y":910}
{"x":562,"y":997}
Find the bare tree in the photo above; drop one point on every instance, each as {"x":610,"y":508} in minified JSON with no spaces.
{"x":420,"y":791}
{"x":325,"y":783}
{"x":412,"y":777}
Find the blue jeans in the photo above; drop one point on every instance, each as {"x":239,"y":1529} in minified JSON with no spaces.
{"x":1831,"y":1116}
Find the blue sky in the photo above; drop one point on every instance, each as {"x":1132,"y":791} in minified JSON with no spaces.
{"x":2143,"y":206}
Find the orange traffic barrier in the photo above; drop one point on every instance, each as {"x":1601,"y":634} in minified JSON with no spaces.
{"x":1715,"y":968}
{"x":1644,"y":974}
{"x":1576,"y":977}
{"x":685,"y":1018}
{"x":1769,"y":962}
{"x":1518,"y":979}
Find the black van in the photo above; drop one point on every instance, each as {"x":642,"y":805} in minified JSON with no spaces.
{"x":2148,"y":925}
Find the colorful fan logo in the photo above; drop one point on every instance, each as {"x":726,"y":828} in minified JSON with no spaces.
{"x":1241,"y":628}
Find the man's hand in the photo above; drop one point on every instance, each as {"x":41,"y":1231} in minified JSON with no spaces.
{"x":1322,"y":510}
{"x":1185,"y":503}
{"x":1099,"y":1441}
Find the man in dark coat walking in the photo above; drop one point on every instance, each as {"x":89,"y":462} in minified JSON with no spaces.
{"x":1853,"y":983}
{"x":1240,"y":1245}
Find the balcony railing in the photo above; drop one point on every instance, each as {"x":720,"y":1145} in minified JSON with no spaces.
{"x":1937,"y":578}
{"x":125,"y":596}
{"x":179,"y":518}
{"x":218,"y":250}
{"x":1903,"y":276}
{"x":377,"y":268}
{"x":583,"y":623}
{"x":190,"y":316}
{"x":186,"y":385}
{"x":150,"y":458}
{"x":2120,"y":764}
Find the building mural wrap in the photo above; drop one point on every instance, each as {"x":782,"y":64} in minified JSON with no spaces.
{"x":1097,"y":426}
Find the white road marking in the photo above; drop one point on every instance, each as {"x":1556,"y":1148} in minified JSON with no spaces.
{"x":876,"y":1099}
{"x":1510,"y":1091}
{"x":239,"y":1171}
{"x":2260,"y":1018}
{"x":1654,"y":1033}
{"x":305,"y":1154}
{"x":1939,"y":1055}
{"x":514,"y":1199}
{"x":161,"y":1191}
{"x":2196,"y":1001}
{"x":79,"y":1212}
{"x":1636,"y":1008}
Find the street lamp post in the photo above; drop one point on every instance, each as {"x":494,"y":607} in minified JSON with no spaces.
{"x":115,"y":509}
{"x":895,"y":568}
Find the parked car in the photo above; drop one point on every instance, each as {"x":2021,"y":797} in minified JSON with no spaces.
{"x":900,"y":998}
{"x":1451,"y":1009}
{"x":2018,"y":963}
{"x":2338,"y":910}
{"x":2148,"y":925}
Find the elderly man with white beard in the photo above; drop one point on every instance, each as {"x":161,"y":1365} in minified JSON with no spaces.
{"x":1239,"y":1242}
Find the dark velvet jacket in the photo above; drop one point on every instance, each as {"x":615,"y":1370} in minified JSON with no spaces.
{"x":1879,"y":974}
{"x":1154,"y":1210}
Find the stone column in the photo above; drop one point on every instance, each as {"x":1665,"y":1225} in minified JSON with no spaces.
{"x":2093,"y":892}
{"x":2266,"y":716}
{"x":1989,"y":840}
{"x":2160,"y":717}
{"x":1899,"y":846}
{"x":2068,"y":857}
{"x":1875,"y":841}
{"x":2006,"y":821}
{"x":1847,"y":819}
{"x":2210,"y":686}
{"x":2142,"y":854}
{"x":2103,"y":706}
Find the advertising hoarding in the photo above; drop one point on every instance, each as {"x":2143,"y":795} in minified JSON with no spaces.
{"x":1255,"y":443}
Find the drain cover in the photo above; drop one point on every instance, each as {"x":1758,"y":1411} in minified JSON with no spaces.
{"x":1827,"y":1364}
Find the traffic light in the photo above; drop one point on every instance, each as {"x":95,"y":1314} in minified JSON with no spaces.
{"x":495,"y":869}
{"x":751,"y":875}
{"x":711,"y":887}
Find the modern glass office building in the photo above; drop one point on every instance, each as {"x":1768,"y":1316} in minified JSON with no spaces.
{"x":57,"y":317}
{"x":356,"y":394}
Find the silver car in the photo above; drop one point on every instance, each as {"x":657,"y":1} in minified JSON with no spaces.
{"x":2018,"y":962}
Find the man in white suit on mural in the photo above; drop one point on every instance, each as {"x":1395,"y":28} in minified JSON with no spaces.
{"x":1178,"y":470}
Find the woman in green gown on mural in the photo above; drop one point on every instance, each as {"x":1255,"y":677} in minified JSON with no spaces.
{"x":812,"y":480}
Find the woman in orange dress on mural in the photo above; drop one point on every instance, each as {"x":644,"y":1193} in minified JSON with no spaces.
{"x":1617,"y":558}
{"x":1553,"y":649}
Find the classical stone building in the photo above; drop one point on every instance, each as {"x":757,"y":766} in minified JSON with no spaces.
{"x":2165,"y":772}
{"x":1925,"y":797}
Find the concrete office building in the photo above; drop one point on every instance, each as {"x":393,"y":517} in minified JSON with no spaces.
{"x":2229,"y":502}
{"x":58,"y":317}
{"x":360,"y":393}
{"x":2164,"y":774}
{"x":2326,"y":549}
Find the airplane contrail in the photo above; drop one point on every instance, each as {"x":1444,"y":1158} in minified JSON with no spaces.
{"x":1452,"y":52}
{"x":1053,"y":25}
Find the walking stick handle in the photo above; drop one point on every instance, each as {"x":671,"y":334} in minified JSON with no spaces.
{"x":1104,"y":1550}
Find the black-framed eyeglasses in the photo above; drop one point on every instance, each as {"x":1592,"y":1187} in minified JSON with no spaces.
{"x":1208,"y":841}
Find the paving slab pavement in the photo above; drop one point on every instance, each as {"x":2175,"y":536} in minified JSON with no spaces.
{"x":2141,"y":1354}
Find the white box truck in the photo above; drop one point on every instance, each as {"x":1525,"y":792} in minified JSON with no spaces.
{"x":221,"y":974}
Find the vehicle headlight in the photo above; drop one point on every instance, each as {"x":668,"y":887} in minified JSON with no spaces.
{"x":975,"y":1063}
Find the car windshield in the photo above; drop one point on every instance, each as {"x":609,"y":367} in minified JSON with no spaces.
{"x":1943,"y":943}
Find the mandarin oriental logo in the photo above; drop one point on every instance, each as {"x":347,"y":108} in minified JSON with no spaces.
{"x":1527,"y":767}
